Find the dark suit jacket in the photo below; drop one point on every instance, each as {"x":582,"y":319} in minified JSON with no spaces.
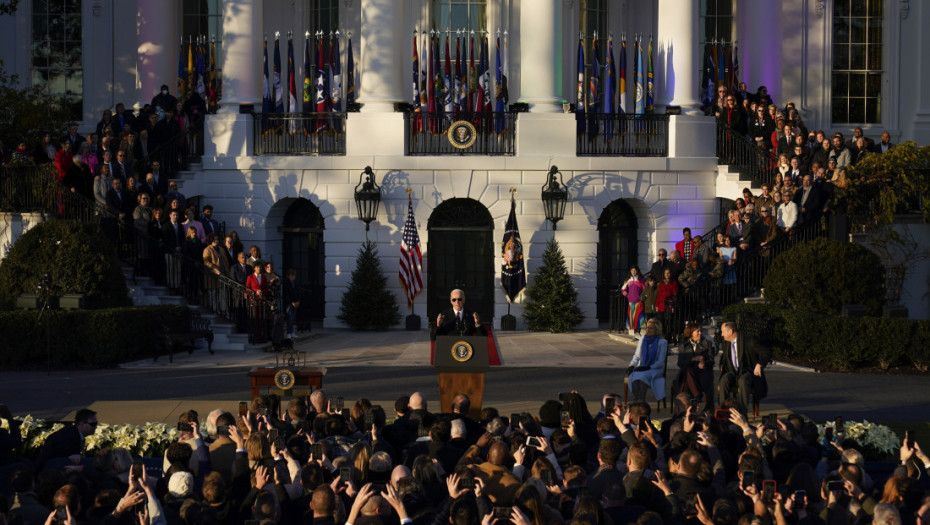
{"x":120,"y":203}
{"x":171,"y":239}
{"x":450,"y":326}
{"x":749,"y":353}
{"x":211,"y":226}
{"x":61,"y":444}
{"x":238,"y":274}
{"x":812,"y":207}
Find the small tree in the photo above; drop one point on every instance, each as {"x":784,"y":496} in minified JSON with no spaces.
{"x":552,"y":301}
{"x":367,"y":304}
{"x":78,"y":258}
{"x":27,"y":113}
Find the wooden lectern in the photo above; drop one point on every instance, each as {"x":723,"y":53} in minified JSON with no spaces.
{"x":461,"y":362}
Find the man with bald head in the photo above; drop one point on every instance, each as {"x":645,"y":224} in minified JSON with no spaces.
{"x":500,"y":485}
{"x":323,"y":504}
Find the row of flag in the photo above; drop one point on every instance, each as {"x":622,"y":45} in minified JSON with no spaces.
{"x":322,"y":83}
{"x":197,"y":74}
{"x":513,"y":271}
{"x":721,"y":68}
{"x":601,"y":93}
{"x":447,"y":87}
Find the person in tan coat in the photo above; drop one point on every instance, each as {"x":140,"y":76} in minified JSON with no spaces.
{"x":500,"y":485}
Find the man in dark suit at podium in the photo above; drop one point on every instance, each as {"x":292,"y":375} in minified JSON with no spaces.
{"x":457,"y":320}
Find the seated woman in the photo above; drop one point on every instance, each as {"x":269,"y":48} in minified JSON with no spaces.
{"x":696,"y":364}
{"x":647,"y":369}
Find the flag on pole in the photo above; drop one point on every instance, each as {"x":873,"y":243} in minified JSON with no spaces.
{"x":459,"y":77}
{"x":579,"y":104}
{"x":486,"y":51}
{"x":308,"y":106}
{"x":650,"y":81}
{"x":482,"y":99}
{"x":609,"y":88}
{"x":462,"y":104}
{"x":640,"y":87}
{"x":622,"y":105}
{"x":472,"y":76}
{"x":278,"y":92}
{"x":190,"y":67}
{"x":335,"y":83}
{"x":350,"y":76}
{"x":432,"y":84}
{"x":201,"y":70}
{"x":499,"y":92}
{"x":266,"y":90}
{"x":411,"y":260}
{"x":736,"y":79}
{"x":291,"y":84}
{"x":424,"y":82}
{"x":594,"y":80}
{"x":706,"y":88}
{"x":721,"y":64}
{"x":447,"y":82}
{"x":214,"y":96}
{"x":417,"y":123}
{"x":513,"y":272}
{"x":182,"y":85}
{"x":320,"y":84}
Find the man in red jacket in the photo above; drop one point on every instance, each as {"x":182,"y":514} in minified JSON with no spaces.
{"x":685,"y":247}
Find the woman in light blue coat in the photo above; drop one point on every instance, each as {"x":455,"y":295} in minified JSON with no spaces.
{"x":647,"y":369}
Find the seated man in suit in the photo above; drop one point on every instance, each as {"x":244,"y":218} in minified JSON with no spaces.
{"x":457,"y":320}
{"x":68,"y":442}
{"x":741,"y":366}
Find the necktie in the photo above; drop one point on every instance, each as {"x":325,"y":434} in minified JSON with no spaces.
{"x":733,"y":355}
{"x":458,"y":317}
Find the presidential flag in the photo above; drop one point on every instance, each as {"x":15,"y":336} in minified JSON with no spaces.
{"x":499,"y":92}
{"x":609,"y":88}
{"x":411,"y":260}
{"x":513,"y":272}
{"x":579,"y":104}
{"x":277,"y":89}
{"x":650,"y":82}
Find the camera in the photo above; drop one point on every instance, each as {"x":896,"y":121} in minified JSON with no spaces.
{"x":533,"y":441}
{"x":263,"y":410}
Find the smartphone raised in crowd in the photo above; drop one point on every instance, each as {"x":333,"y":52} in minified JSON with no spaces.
{"x":565,"y":419}
{"x":243,"y":408}
{"x":137,"y":469}
{"x":533,"y":441}
{"x":749,"y":479}
{"x":316,"y":450}
{"x":768,"y":492}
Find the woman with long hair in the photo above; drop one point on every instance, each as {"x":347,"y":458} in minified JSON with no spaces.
{"x":632,"y":289}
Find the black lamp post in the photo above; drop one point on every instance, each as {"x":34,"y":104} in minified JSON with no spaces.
{"x":367,"y":197}
{"x":554,"y":197}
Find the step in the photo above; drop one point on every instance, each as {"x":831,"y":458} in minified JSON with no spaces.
{"x":171,"y":299}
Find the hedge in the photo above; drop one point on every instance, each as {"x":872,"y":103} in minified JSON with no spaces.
{"x":82,"y":338}
{"x":844,"y":343}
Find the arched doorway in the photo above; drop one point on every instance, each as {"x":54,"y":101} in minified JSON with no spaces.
{"x":303,"y":251}
{"x":616,"y":252}
{"x":460,"y":251}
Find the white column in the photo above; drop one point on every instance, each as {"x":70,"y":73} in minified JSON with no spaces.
{"x":541,"y":55}
{"x":678,"y":66}
{"x":381,"y":55}
{"x":242,"y":53}
{"x":157,"y":51}
{"x":760,"y":61}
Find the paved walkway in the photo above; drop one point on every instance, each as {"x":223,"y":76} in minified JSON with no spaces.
{"x":383,"y":366}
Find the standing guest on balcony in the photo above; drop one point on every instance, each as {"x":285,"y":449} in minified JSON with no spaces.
{"x":106,"y":159}
{"x":164,"y":99}
{"x":862,"y":149}
{"x":161,"y":181}
{"x":142,"y":217}
{"x":191,"y":222}
{"x":78,"y":179}
{"x":128,"y":146}
{"x":63,"y":159}
{"x":840,"y":152}
{"x":87,"y":157}
{"x":633,"y":289}
{"x":209,"y":223}
{"x":173,"y":193}
{"x":701,"y":252}
{"x":659,"y":266}
{"x":748,"y":197}
{"x":765,"y":198}
{"x":45,"y":151}
{"x":173,"y":242}
{"x":808,"y":200}
{"x":789,"y":189}
{"x":102,"y":183}
{"x":803,"y":160}
{"x":758,"y":129}
{"x":216,"y":264}
{"x":274,"y":286}
{"x":255,"y":255}
{"x":781,"y":169}
{"x":718,"y":105}
{"x":73,"y":137}
{"x":794,"y":173}
{"x":142,"y":147}
{"x":121,"y":168}
{"x":237,"y":244}
{"x":240,"y":271}
{"x":776,"y":204}
{"x":665,"y":294}
{"x":192,"y":249}
{"x":148,"y":186}
{"x":727,"y":254}
{"x":787,"y":214}
{"x":228,"y":251}
{"x":783,"y":138}
{"x":822,"y":154}
{"x":648,"y":298}
{"x":732,"y":115}
{"x":826,"y":188}
{"x":734,"y":227}
{"x":690,"y":276}
{"x":885,"y":144}
{"x":21,"y":156}
{"x":685,"y":246}
{"x":742,"y":94}
{"x":106,"y":120}
{"x":119,"y":202}
{"x":676,"y":264}
{"x":769,"y":229}
{"x":132,"y":189}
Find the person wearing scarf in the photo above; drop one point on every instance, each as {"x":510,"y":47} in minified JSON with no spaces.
{"x":647,"y":369}
{"x":632,"y":290}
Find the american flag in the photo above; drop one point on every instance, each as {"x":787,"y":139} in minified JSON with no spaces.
{"x":411,"y":260}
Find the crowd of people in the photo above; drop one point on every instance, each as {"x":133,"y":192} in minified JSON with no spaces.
{"x":311,"y":461}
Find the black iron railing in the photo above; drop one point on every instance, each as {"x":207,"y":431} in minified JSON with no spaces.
{"x":428,"y":133}
{"x":753,"y":162}
{"x":624,"y":135}
{"x":299,"y":133}
{"x":37,"y":190}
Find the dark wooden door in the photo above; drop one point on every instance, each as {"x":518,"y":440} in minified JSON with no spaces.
{"x":461,"y":259}
{"x":616,"y":252}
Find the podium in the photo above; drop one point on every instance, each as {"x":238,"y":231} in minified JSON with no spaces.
{"x":460,"y":363}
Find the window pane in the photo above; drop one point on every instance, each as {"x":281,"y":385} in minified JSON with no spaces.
{"x":841,"y":30}
{"x":56,"y":7}
{"x":858,"y":7}
{"x":840,"y":84}
{"x":857,"y":29}
{"x":59,"y":58}
{"x":875,"y":56}
{"x":857,"y":56}
{"x":857,"y":110}
{"x":841,"y":8}
{"x":872,"y":113}
{"x":857,"y":85}
{"x":840,"y":107}
{"x":840,"y":57}
{"x":875,"y":8}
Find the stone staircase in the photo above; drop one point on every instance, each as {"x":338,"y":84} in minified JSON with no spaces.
{"x":144,"y":292}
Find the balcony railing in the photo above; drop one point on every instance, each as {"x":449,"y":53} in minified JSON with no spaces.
{"x":623,"y":135}
{"x":753,"y":163}
{"x":492,"y":134}
{"x":299,"y":133}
